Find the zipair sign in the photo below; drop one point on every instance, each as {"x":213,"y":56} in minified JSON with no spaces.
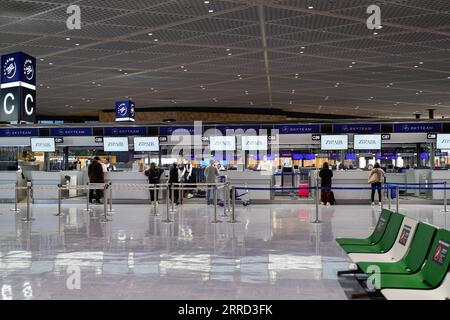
{"x":18,"y":88}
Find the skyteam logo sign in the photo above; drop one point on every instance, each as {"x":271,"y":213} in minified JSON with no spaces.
{"x":125,"y":110}
{"x":18,"y":67}
{"x":146,"y":144}
{"x":334,"y":142}
{"x":219,"y":143}
{"x":254,"y":143}
{"x":9,"y":68}
{"x":367,"y":142}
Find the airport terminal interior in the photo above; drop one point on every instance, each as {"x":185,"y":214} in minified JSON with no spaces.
{"x":224,"y":150}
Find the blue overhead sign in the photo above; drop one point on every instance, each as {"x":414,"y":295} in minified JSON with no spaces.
{"x":124,"y":110}
{"x":18,"y":66}
{"x":244,"y":128}
{"x":14,"y":132}
{"x":68,"y":132}
{"x":418,"y":127}
{"x":125,"y":131}
{"x":298,"y":129}
{"x":167,"y":131}
{"x":357,"y":128}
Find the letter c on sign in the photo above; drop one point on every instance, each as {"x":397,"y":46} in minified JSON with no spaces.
{"x":5,"y":107}
{"x":28,"y":97}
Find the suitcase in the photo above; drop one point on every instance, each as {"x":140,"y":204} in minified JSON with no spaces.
{"x":303,"y":190}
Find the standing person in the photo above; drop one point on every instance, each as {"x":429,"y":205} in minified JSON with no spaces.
{"x":376,"y":178}
{"x":174,"y":177}
{"x":211,"y":173}
{"x":154,"y":176}
{"x":325,"y":175}
{"x":96,"y":175}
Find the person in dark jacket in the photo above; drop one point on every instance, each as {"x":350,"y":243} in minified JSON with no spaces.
{"x":154,"y":177}
{"x":325,"y":175}
{"x":96,"y":175}
{"x":174,"y":177}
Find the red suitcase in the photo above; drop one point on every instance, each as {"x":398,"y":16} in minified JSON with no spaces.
{"x":303,"y":190}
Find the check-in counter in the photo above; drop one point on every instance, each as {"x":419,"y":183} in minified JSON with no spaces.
{"x":255,"y":179}
{"x":73,"y":178}
{"x":11,"y":178}
{"x":43,"y":178}
{"x":351,"y":178}
{"x":440,"y":176}
{"x":128,"y":193}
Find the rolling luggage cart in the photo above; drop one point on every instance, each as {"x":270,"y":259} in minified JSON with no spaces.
{"x":241,"y":196}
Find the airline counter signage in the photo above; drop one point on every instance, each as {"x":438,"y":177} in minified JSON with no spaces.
{"x":386,"y":136}
{"x":42,"y":145}
{"x":18,"y":67}
{"x":357,"y":128}
{"x":70,"y":132}
{"x":146,"y":144}
{"x":443,"y":141}
{"x":219,"y":143}
{"x":119,"y":144}
{"x":334,"y":142}
{"x":124,"y":110}
{"x":233,"y":129}
{"x":180,"y":130}
{"x":13,"y":132}
{"x":367,"y":142}
{"x":418,"y":127}
{"x":254,"y":143}
{"x":125,"y":131}
{"x":17,"y":104}
{"x":298,"y":129}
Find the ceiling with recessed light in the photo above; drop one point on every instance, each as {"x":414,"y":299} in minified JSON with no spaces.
{"x":313,"y":56}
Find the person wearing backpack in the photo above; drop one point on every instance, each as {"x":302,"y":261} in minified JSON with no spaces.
{"x":154,"y":177}
{"x":376,"y":178}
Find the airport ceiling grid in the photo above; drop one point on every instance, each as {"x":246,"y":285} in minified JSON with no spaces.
{"x":297,"y":55}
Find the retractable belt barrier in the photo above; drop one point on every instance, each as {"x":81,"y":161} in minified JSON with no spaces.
{"x":229,"y":194}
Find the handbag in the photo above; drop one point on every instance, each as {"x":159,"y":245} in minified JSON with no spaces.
{"x":373,"y":178}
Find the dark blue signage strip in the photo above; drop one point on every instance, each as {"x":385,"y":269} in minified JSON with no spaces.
{"x":296,"y":129}
{"x":418,"y":127}
{"x":70,"y":132}
{"x":167,"y":131}
{"x":224,"y":129}
{"x":357,"y":128}
{"x":15,"y":132}
{"x":125,"y":131}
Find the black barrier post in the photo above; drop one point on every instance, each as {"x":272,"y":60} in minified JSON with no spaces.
{"x":233,"y":206}
{"x":155,"y":209}
{"x":167,"y":220}
{"x":397,"y":193}
{"x":445,"y":197}
{"x":28,"y":218}
{"x":215,"y":206}
{"x":59,"y":200}
{"x":317,"y":202}
{"x":16,"y":198}
{"x":105,"y":204}
{"x":110,"y":210}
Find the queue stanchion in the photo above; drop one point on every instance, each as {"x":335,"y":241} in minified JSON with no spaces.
{"x":16,"y":198}
{"x":167,"y":220}
{"x":28,"y":218}
{"x":59,"y":213}
{"x":397,"y":194}
{"x":215,"y":206}
{"x":228,"y":199}
{"x":389,"y":195}
{"x":88,"y":191}
{"x":110,"y":210}
{"x":172,"y":194}
{"x":233,"y":206}
{"x":317,"y":203}
{"x":105,"y":205}
{"x":445,"y":197}
{"x":155,"y":209}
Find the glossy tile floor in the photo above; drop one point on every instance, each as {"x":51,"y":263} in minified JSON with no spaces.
{"x":274,"y":253}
